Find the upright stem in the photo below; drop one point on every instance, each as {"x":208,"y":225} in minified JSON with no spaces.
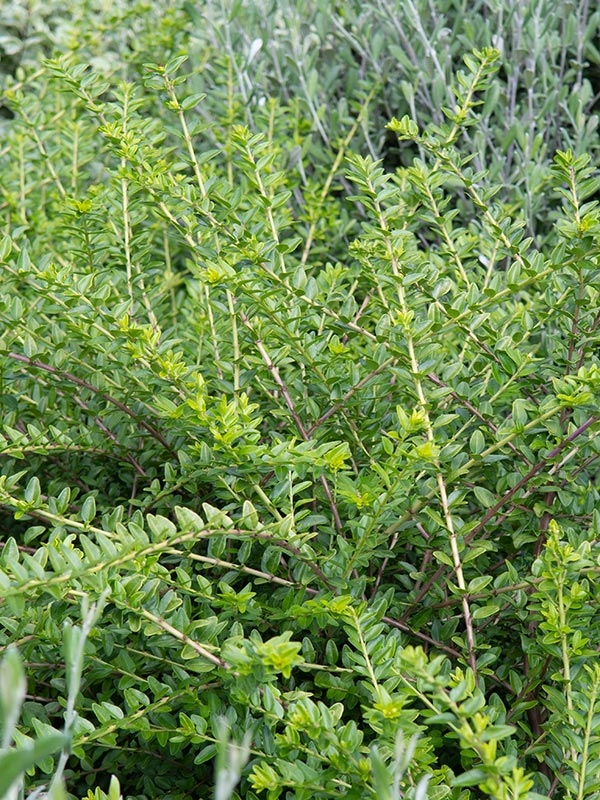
{"x":428,"y":425}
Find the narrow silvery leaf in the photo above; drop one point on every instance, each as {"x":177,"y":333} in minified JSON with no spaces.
{"x":12,"y":693}
{"x":254,"y":48}
{"x":15,"y":762}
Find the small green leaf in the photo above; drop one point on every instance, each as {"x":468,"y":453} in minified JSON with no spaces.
{"x":443,"y":558}
{"x":479,"y":583}
{"x":192,"y":100}
{"x":174,"y":64}
{"x":485,"y":611}
{"x":5,"y":248}
{"x":519,"y":413}
{"x":477,"y":442}
{"x":88,"y":510}
{"x":33,"y":491}
{"x":484,"y":496}
{"x":471,"y":778}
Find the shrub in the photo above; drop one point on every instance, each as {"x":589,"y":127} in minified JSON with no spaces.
{"x":319,"y":437}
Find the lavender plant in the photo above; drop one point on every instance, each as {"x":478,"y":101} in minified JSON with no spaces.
{"x":319,"y":435}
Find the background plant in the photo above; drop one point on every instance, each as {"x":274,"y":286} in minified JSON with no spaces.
{"x":322,"y":432}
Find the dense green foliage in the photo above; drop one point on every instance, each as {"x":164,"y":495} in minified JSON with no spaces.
{"x":299,"y":382}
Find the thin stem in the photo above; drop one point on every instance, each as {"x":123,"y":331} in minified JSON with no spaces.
{"x":299,"y":424}
{"x":85,"y":384}
{"x":364,"y":650}
{"x":589,"y":731}
{"x":182,"y":637}
{"x":566,"y":662}
{"x":503,"y":500}
{"x":127,"y":229}
{"x":236,"y":356}
{"x":428,"y":425}
{"x":213,"y":333}
{"x":331,"y":175}
{"x":42,"y":149}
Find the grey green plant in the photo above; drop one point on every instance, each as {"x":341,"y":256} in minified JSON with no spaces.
{"x":320,"y":427}
{"x":26,"y":753}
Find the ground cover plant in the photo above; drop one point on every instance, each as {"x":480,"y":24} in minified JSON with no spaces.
{"x":299,"y":385}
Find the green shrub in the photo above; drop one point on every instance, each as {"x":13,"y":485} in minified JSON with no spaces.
{"x":320,"y":437}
